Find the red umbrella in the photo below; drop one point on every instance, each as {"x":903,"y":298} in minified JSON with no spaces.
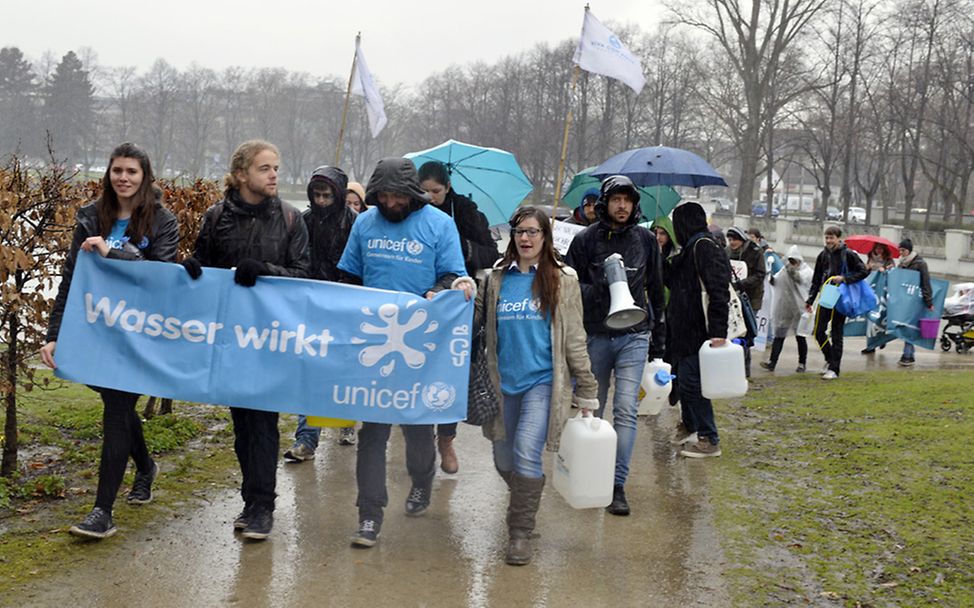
{"x":864,"y":244}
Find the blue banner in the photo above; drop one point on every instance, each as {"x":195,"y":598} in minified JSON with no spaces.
{"x":900,"y":309}
{"x":284,"y":345}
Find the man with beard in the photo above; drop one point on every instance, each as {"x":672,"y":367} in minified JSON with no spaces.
{"x":433,"y":261}
{"x":260,"y":235}
{"x":619,"y":351}
{"x":329,"y":222}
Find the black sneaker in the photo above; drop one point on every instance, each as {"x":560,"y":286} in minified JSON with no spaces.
{"x":906,"y":361}
{"x":98,"y":524}
{"x":241,"y":521}
{"x":367,"y":534}
{"x":142,"y":487}
{"x":417,"y":502}
{"x":768,"y":366}
{"x":259,"y":523}
{"x":618,"y":506}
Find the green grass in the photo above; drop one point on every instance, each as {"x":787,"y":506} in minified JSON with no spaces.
{"x":856,"y":490}
{"x":60,"y":443}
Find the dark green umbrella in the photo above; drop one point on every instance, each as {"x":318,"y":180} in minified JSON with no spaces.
{"x":668,"y":197}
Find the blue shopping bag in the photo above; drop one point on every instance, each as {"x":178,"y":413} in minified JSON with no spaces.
{"x":856,"y":299}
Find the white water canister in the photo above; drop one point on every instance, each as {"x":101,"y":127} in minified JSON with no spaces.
{"x":584,"y":470}
{"x":722,"y":371}
{"x":655,"y":387}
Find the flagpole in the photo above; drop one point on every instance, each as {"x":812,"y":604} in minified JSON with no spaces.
{"x":564,"y":139}
{"x":348,"y":94}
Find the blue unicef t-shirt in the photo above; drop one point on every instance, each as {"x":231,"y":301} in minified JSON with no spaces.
{"x":116,"y":239}
{"x":523,"y":336}
{"x":403,"y":256}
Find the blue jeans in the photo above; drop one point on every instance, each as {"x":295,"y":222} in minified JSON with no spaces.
{"x":525,"y":430}
{"x":698,"y":412}
{"x":908,"y":350}
{"x":626,"y":354}
{"x":307,"y":434}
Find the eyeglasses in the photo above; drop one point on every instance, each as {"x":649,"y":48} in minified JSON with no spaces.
{"x":532,"y":232}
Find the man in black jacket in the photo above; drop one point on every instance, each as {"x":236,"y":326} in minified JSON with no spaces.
{"x":479,"y":252}
{"x":329,"y":220}
{"x":743,"y":249}
{"x":910,"y":260}
{"x":841,"y":265}
{"x":253,"y":230}
{"x":701,"y":262}
{"x":622,"y":351}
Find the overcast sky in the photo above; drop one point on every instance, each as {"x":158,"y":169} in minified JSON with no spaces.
{"x":403,"y":41}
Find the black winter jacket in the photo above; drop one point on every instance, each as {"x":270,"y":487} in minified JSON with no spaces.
{"x":328,"y":227}
{"x":640,"y":253}
{"x":701,"y":259}
{"x":163,"y":240}
{"x":920,"y":265}
{"x":479,"y":247}
{"x":752,"y":255}
{"x":829,"y":264}
{"x":270,"y":231}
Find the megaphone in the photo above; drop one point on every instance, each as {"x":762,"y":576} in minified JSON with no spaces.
{"x":623,"y":312}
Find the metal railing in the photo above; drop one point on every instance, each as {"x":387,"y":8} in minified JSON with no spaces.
{"x":928,"y":242}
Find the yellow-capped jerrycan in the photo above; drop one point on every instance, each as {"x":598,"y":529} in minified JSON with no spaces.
{"x":585,"y":466}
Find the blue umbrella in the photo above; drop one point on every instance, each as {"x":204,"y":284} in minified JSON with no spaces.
{"x":660,"y":165}
{"x":491,"y":177}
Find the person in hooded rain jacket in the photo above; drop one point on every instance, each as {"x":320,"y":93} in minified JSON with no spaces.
{"x":622,"y":351}
{"x":399,"y":210}
{"x":701,"y":264}
{"x":261,"y":235}
{"x":329,"y":220}
{"x":584,"y":214}
{"x":791,"y":285}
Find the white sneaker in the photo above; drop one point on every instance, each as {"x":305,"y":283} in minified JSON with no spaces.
{"x":829,"y":375}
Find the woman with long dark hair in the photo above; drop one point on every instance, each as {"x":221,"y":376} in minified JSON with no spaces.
{"x":531,"y":306}
{"x":128,"y":222}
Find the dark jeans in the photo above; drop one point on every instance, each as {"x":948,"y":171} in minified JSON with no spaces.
{"x":256,"y":441}
{"x":446,"y":430}
{"x":779,"y":343}
{"x":698,"y":412}
{"x":831,"y":346}
{"x":370,"y":466}
{"x":122,"y":438}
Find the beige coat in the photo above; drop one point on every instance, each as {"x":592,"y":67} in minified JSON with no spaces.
{"x":569,"y":354}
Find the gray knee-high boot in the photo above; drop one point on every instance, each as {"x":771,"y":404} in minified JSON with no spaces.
{"x":521,"y":512}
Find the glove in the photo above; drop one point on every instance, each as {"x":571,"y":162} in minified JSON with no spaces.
{"x":247,"y":272}
{"x":193,"y":267}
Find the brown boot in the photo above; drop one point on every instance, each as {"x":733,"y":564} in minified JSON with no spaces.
{"x":521,"y":512}
{"x":448,"y":458}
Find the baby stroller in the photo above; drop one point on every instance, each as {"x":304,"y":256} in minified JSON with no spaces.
{"x":959,"y":314}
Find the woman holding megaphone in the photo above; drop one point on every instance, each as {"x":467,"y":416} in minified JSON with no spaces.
{"x":531,"y":306}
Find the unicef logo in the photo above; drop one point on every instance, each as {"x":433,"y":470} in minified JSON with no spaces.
{"x":439,"y":396}
{"x":414,"y":248}
{"x":614,"y":42}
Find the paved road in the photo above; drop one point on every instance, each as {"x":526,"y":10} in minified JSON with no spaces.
{"x":666,"y":553}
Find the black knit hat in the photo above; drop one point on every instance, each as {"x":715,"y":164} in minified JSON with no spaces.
{"x":906,"y":244}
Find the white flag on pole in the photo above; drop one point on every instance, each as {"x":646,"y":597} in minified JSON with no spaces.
{"x":364,"y":86}
{"x":601,"y":52}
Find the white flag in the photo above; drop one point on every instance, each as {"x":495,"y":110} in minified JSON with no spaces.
{"x":364,"y":86}
{"x":601,"y":52}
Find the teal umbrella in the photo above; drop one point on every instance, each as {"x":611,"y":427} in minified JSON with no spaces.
{"x":491,"y":177}
{"x":667,"y":197}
